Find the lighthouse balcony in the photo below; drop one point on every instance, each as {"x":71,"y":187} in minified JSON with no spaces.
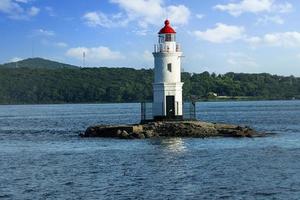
{"x":167,"y":47}
{"x":147,"y":115}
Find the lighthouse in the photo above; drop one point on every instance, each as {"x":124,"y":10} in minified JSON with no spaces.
{"x":167,"y":86}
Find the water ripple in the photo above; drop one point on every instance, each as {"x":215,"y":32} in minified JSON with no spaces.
{"x":41,"y":156}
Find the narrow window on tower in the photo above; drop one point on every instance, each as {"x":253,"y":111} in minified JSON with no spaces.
{"x":168,"y":38}
{"x":170,"y":67}
{"x":161,"y":39}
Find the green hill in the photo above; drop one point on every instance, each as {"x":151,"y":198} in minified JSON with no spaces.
{"x":37,"y":63}
{"x":50,"y":83}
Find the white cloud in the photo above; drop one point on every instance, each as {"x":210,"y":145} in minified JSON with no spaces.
{"x":199,"y":16}
{"x":282,"y":8}
{"x":43,"y":32}
{"x":253,"y":40}
{"x":254,"y":6}
{"x":222,"y":33}
{"x":141,"y":32}
{"x":143,"y":12}
{"x":61,"y":44}
{"x":15,"y":59}
{"x":33,"y":11}
{"x":94,"y":19}
{"x":22,"y":1}
{"x":9,"y":7}
{"x":273,"y":19}
{"x":241,"y":60}
{"x":14,"y":10}
{"x":287,"y":39}
{"x":178,"y":14}
{"x":283,"y":39}
{"x":46,"y":42}
{"x":50,"y":11}
{"x":94,"y":54}
{"x":147,"y":55}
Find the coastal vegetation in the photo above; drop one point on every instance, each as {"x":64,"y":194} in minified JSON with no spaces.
{"x":39,"y":81}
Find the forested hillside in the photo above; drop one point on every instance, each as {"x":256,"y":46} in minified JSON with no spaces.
{"x":82,"y":85}
{"x":37,"y":63}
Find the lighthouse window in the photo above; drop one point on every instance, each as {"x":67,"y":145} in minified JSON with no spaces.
{"x":170,"y":67}
{"x":168,"y":38}
{"x":161,"y":39}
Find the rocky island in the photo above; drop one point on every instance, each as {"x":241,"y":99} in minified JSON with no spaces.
{"x":168,"y":109}
{"x":197,"y":129}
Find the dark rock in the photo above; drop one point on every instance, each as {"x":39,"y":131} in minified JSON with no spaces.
{"x":81,"y":134}
{"x":142,"y":136}
{"x":119,"y":132}
{"x":124,"y":135}
{"x":148,"y":134}
{"x":171,"y":129}
{"x":138,"y":135}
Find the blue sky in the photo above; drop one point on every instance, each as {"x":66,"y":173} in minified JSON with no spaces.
{"x":220,"y":36}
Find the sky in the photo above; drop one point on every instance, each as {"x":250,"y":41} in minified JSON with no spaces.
{"x":249,"y":36}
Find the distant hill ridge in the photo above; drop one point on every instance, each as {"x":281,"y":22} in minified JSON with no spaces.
{"x":37,"y":63}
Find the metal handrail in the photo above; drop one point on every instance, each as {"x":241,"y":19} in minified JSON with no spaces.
{"x":189,"y":111}
{"x":166,"y":48}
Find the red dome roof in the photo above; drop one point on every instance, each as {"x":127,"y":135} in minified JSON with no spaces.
{"x":167,"y":29}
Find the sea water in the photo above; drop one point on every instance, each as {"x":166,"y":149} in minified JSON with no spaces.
{"x":42,"y":157}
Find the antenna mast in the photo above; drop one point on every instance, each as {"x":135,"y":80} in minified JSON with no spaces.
{"x":83,"y":59}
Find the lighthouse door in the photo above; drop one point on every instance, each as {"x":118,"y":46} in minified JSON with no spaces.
{"x":170,"y":106}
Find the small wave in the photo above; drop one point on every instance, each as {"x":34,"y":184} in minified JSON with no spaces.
{"x":6,"y":196}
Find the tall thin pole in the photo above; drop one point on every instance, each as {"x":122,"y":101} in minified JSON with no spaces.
{"x":83,"y":59}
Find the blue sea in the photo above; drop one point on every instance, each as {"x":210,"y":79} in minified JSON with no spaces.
{"x":42,"y":157}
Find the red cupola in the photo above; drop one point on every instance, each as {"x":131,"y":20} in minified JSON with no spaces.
{"x":167,"y":29}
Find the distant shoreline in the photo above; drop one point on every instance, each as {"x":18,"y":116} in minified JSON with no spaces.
{"x":40,"y":81}
{"x":198,"y":101}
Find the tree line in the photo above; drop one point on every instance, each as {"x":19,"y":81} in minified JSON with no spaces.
{"x":91,"y":85}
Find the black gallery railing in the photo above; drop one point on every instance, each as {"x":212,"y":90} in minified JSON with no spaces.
{"x":189,"y":111}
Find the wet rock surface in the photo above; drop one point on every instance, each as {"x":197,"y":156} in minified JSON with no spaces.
{"x":170,"y":129}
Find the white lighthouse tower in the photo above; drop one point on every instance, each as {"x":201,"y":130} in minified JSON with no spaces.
{"x":167,"y":86}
